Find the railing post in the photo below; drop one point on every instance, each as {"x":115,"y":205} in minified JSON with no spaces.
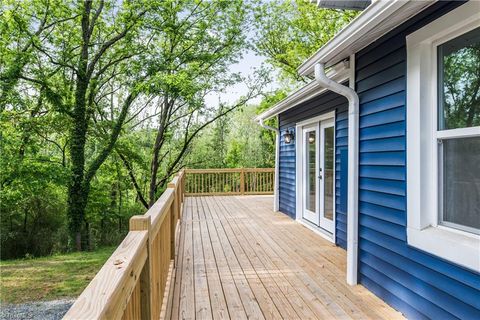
{"x":141,"y":223}
{"x":182,"y":184}
{"x":242,"y":181}
{"x":174,"y":215}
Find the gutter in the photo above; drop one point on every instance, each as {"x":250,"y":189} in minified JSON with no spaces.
{"x":276,"y":198}
{"x":352,"y":208}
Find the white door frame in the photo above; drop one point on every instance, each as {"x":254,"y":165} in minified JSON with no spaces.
{"x":299,"y":174}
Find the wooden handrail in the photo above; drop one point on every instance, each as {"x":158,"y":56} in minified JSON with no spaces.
{"x":132,"y":283}
{"x":187,"y":171}
{"x":229,"y":181}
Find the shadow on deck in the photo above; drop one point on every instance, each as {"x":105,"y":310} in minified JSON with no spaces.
{"x":237,"y":259}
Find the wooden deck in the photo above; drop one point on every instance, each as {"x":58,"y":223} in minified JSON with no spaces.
{"x":237,"y":259}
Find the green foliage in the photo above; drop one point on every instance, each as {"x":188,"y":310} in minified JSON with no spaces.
{"x":288,"y":32}
{"x":461,"y":87}
{"x":101,"y":102}
{"x":237,"y":141}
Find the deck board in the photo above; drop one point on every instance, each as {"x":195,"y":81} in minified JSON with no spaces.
{"x":237,"y":259}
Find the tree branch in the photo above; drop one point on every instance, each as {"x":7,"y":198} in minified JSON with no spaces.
{"x":131,"y":174}
{"x":98,"y":161}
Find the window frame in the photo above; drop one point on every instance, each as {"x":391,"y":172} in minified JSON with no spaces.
{"x":447,"y":134}
{"x":425,"y":229}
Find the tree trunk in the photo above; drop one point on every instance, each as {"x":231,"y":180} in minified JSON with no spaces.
{"x":87,"y":236}
{"x":78,"y":190}
{"x":76,"y":212}
{"x":25,"y":222}
{"x":154,"y":166}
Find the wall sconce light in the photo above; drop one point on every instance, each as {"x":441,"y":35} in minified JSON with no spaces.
{"x":288,"y":137}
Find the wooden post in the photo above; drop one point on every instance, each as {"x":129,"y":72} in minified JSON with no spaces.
{"x":143,"y":223}
{"x":242,"y":181}
{"x":182,"y":184}
{"x":174,"y":213}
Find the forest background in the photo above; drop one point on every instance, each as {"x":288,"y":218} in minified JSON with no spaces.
{"x":102,"y":102}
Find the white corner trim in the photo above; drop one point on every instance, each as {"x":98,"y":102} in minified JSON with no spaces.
{"x":298,"y":173}
{"x":276,"y":184}
{"x":353,"y":173}
{"x":423,"y":231}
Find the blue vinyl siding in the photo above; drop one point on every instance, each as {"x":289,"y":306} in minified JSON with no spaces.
{"x":341,"y":176}
{"x":418,"y":284}
{"x":287,"y":176}
{"x":326,"y":102}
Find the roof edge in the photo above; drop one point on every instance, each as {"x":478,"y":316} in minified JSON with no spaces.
{"x":340,"y":72}
{"x":363,"y":24}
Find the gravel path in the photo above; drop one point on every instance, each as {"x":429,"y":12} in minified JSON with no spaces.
{"x":44,"y":310}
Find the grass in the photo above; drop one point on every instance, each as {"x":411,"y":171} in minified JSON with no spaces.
{"x":49,"y":278}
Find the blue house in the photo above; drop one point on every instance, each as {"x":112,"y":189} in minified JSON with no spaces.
{"x":380,"y":153}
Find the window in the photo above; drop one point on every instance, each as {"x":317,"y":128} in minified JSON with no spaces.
{"x":443,"y":136}
{"x":458,"y":62}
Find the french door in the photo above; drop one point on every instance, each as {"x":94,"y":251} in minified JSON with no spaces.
{"x":318,"y":173}
{"x":310,"y":174}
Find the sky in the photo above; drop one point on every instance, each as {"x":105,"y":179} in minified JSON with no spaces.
{"x":245,"y":66}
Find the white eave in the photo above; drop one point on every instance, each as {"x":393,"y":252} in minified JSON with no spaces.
{"x":375,"y":21}
{"x":339,"y":73}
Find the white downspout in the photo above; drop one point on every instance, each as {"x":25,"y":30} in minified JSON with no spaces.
{"x":352,"y":208}
{"x":276,"y":190}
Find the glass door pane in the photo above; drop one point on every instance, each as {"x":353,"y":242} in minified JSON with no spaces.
{"x":328,"y":174}
{"x":311,"y":171}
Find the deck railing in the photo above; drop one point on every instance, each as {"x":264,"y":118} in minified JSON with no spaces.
{"x":136,"y":280}
{"x":229,"y":181}
{"x":132,"y":284}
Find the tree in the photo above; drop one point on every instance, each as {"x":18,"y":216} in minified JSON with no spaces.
{"x":92,"y":55}
{"x":288,"y":32}
{"x":245,"y":143}
{"x":200,"y":41}
{"x":461,"y":81}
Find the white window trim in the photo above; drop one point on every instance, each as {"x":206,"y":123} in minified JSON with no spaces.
{"x":299,"y":151}
{"x":423,"y":231}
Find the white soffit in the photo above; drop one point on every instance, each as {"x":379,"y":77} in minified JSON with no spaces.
{"x":375,"y":21}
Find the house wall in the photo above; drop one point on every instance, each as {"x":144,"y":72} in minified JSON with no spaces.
{"x":287,"y":175}
{"x":326,"y":102}
{"x":416,"y":283}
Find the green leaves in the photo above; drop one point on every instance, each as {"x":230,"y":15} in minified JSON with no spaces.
{"x":288,"y":32}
